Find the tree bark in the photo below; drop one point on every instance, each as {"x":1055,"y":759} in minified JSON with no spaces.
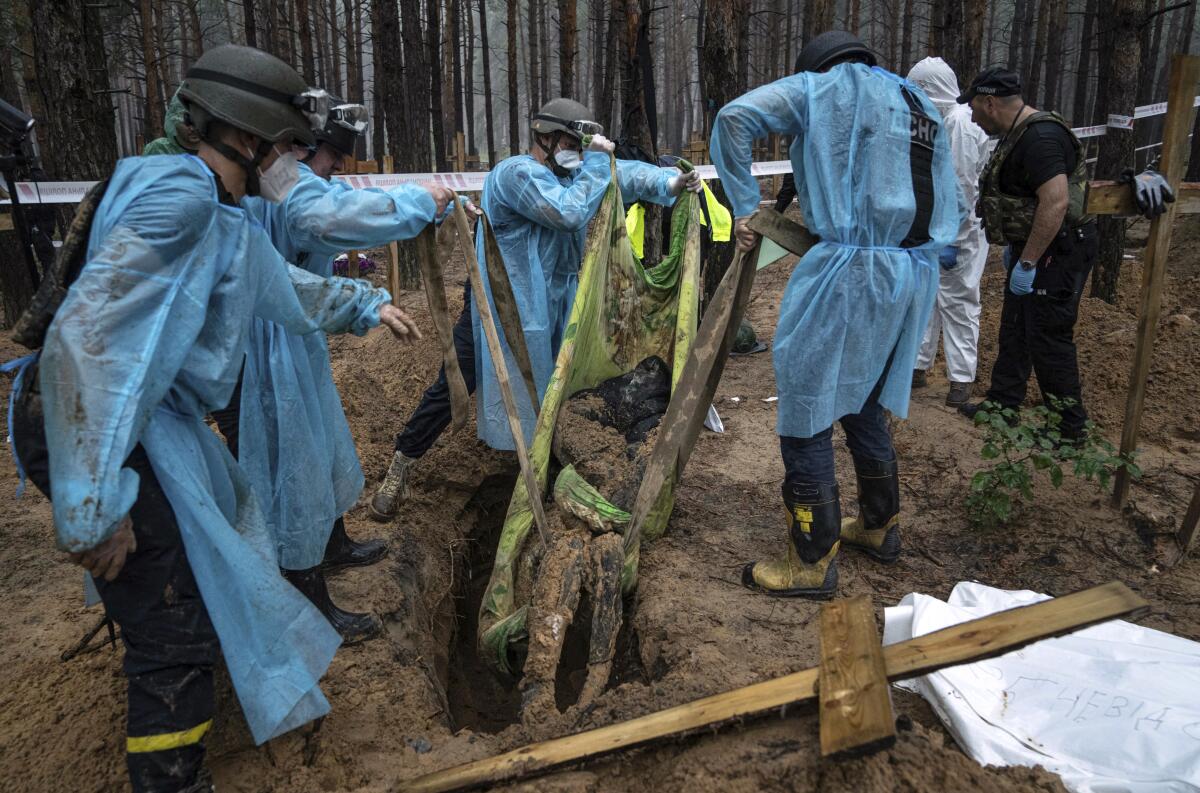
{"x":454,"y":10}
{"x":152,"y":120}
{"x":1032,"y":84}
{"x":306,"y":46}
{"x":488,"y":116}
{"x":249,"y":25}
{"x":1122,"y":55}
{"x":612,"y":67}
{"x":435,"y":71}
{"x":1080,"y":115}
{"x":906,"y":40}
{"x":543,"y":32}
{"x":335,"y":51}
{"x":568,"y":30}
{"x":720,"y":85}
{"x":378,"y":78}
{"x":468,"y":12}
{"x":352,"y":66}
{"x":1056,"y":41}
{"x":597,"y":20}
{"x":357,"y":95}
{"x":974,"y":15}
{"x":514,"y":124}
{"x":535,"y":88}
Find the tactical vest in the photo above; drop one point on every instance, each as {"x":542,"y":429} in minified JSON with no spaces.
{"x":1009,"y":218}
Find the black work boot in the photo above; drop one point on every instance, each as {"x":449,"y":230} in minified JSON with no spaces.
{"x":876,"y":530}
{"x":342,"y":552}
{"x":353,"y":627}
{"x":808,"y":567}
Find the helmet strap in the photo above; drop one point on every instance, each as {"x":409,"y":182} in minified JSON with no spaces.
{"x":250,"y":166}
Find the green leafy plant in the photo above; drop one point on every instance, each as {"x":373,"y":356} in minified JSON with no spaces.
{"x":1028,"y":441}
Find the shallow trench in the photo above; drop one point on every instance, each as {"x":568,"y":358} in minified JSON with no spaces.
{"x":438,"y":632}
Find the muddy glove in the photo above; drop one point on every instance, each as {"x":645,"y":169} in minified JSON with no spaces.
{"x":948,"y":258}
{"x":1150,"y":191}
{"x":1020,"y":278}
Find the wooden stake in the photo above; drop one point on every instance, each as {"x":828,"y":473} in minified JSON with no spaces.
{"x":497,"y":353}
{"x":1185,"y":77}
{"x":969,"y":641}
{"x":1187,"y":531}
{"x":1112,"y":198}
{"x":856,"y":705}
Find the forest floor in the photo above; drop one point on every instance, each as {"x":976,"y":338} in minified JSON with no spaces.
{"x":419,"y":700}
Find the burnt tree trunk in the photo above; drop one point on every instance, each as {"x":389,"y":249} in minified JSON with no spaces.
{"x":719,"y":85}
{"x":1119,"y":65}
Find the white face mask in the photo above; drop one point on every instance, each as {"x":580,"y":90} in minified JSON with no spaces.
{"x":568,"y":159}
{"x":277,"y":181}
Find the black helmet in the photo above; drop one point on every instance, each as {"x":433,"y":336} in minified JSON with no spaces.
{"x":346,"y":124}
{"x":831,"y":46}
{"x":565,"y":115}
{"x":253,"y":91}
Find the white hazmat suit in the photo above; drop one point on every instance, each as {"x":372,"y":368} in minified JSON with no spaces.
{"x":956,"y":314}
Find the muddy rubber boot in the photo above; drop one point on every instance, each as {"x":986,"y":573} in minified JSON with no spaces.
{"x":353,"y":627}
{"x":876,"y":530}
{"x":394,"y":491}
{"x":808,"y":568}
{"x":342,"y":552}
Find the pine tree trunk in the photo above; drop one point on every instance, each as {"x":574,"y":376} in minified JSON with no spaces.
{"x":568,"y":30}
{"x":352,"y":66}
{"x":514,"y":123}
{"x":249,"y":25}
{"x":906,"y":41}
{"x":1122,"y":55}
{"x":612,"y":67}
{"x":974,"y":14}
{"x":468,"y":43}
{"x":378,"y":79}
{"x":358,"y":95}
{"x":1032,"y":84}
{"x":597,"y":20}
{"x":1056,"y":40}
{"x":535,"y":89}
{"x":335,"y":50}
{"x":1087,"y":43}
{"x":720,"y":85}
{"x":543,"y":32}
{"x":306,"y":47}
{"x":435,"y":71}
{"x":455,"y":27}
{"x":488,"y":115}
{"x":152,"y":120}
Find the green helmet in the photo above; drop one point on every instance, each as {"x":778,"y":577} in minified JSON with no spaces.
{"x":746,"y":339}
{"x":253,"y":91}
{"x":565,"y":115}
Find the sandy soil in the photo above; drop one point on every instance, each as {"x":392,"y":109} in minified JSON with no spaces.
{"x":419,"y":699}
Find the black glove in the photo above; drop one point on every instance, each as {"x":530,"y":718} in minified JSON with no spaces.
{"x":1150,"y":191}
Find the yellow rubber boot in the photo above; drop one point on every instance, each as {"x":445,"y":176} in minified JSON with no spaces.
{"x":808,"y":567}
{"x":876,"y":530}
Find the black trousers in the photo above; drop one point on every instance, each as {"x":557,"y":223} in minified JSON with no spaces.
{"x":170,"y":644}
{"x":1037,"y":331}
{"x":433,"y":415}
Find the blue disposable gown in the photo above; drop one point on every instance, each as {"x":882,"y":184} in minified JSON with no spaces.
{"x":541,"y":221}
{"x":148,"y":341}
{"x":856,"y":296}
{"x":294,"y":442}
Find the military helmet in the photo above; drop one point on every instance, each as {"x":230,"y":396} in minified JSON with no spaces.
{"x":253,"y":91}
{"x":565,"y":115}
{"x":828,"y":47}
{"x":346,"y":124}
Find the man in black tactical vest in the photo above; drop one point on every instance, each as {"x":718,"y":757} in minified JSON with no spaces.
{"x":1033,"y":199}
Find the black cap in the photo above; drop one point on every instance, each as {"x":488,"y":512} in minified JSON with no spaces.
{"x":830,"y":46}
{"x":993,"y":81}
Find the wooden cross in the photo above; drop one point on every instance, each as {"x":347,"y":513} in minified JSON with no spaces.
{"x":1117,"y":200}
{"x":851,"y":684}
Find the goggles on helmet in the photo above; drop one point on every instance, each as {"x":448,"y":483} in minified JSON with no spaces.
{"x":352,"y":117}
{"x":580,"y":128}
{"x":314,"y":104}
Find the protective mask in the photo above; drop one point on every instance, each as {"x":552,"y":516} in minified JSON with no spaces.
{"x":568,"y":159}
{"x":277,"y":181}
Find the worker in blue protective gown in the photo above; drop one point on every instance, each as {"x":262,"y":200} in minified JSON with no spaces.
{"x":876,"y":184}
{"x":150,"y":338}
{"x":539,"y":205}
{"x":286,"y":424}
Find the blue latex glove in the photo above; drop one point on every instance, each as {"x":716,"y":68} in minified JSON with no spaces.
{"x":1020,"y":280}
{"x":948,"y":258}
